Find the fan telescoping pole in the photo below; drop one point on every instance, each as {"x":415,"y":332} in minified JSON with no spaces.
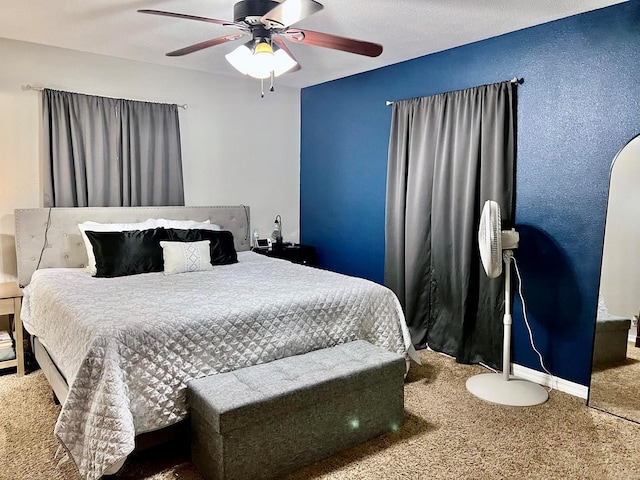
{"x":507,"y":321}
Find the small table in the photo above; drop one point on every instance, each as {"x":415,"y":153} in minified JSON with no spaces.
{"x":10,"y":304}
{"x":302,"y":254}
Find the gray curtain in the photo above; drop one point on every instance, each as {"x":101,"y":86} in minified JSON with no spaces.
{"x":107,"y":152}
{"x":448,"y":154}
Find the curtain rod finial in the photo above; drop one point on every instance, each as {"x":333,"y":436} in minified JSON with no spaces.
{"x":28,"y":86}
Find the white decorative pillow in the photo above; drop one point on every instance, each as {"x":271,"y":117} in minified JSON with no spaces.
{"x":181,"y":257}
{"x":108,"y":227}
{"x":186,"y":224}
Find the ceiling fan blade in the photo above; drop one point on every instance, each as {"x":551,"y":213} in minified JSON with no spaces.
{"x":290,"y":12}
{"x":190,"y":17}
{"x":206,"y":44}
{"x":281,"y":43}
{"x":335,"y":42}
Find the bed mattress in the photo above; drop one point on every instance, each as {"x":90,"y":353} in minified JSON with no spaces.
{"x":128,"y":345}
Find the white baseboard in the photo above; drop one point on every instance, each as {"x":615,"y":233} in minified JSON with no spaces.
{"x":556,"y":383}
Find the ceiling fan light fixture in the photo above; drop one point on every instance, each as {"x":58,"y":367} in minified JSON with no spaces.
{"x":260,"y":60}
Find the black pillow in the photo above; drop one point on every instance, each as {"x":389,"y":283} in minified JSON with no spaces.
{"x":127,"y":253}
{"x":223,"y":251}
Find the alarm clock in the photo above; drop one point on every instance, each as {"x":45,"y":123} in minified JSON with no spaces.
{"x":263,"y":243}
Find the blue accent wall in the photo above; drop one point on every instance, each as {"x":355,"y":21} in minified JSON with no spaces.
{"x":579,"y":105}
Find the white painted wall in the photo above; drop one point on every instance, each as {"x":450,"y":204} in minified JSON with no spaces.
{"x":620,"y":280}
{"x":236,"y":147}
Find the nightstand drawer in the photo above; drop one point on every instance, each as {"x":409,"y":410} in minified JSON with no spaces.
{"x":6,"y":306}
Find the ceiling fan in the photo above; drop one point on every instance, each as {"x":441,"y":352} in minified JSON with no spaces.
{"x":269,"y":23}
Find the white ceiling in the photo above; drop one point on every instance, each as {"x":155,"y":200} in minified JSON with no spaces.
{"x":406,"y":28}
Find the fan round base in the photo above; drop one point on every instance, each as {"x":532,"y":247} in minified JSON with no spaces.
{"x":515,"y":392}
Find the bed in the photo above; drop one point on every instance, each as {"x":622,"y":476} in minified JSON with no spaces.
{"x":118,"y":351}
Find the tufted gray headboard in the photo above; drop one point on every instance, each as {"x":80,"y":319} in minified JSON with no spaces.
{"x":64,"y":246}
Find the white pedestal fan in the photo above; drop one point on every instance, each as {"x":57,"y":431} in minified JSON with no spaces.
{"x":495,"y":247}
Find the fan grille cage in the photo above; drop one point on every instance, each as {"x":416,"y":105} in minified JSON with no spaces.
{"x":490,"y":239}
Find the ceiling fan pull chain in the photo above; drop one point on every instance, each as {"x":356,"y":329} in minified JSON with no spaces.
{"x":262,"y":88}
{"x":271,"y":89}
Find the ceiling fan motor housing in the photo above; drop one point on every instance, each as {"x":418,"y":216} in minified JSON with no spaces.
{"x":251,"y":11}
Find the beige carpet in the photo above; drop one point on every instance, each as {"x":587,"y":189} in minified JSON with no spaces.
{"x":448,"y":434}
{"x":616,"y":387}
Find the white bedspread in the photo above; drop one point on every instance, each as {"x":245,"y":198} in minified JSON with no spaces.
{"x":127,"y":346}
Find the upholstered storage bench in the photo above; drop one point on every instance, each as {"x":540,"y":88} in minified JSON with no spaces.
{"x":612,"y":336}
{"x":264,"y":421}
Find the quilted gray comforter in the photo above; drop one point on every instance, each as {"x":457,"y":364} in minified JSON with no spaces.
{"x":127,"y":346}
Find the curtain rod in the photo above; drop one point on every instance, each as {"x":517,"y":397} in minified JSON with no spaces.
{"x":513,"y":80}
{"x":39,"y":89}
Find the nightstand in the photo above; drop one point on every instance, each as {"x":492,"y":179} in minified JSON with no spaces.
{"x":302,"y":254}
{"x":10,"y":304}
